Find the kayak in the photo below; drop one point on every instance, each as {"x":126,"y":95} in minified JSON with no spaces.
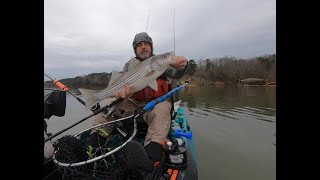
{"x":178,"y":161}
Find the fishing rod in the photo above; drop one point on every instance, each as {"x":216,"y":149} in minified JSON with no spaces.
{"x":174,"y":32}
{"x":151,"y":104}
{"x":148,"y":20}
{"x":147,"y":107}
{"x":64,"y":88}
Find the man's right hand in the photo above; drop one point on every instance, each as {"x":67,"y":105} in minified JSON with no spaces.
{"x":125,"y":92}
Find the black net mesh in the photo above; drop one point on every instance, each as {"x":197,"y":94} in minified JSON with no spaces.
{"x":85,"y":147}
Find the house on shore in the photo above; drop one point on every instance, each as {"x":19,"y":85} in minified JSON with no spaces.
{"x":253,"y":82}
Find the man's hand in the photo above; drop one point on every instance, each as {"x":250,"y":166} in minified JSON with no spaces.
{"x":125,"y":93}
{"x":180,"y":63}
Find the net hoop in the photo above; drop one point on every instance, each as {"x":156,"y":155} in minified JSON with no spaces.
{"x":101,"y":156}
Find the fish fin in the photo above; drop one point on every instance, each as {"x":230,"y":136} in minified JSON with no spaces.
{"x":133,"y":63}
{"x":115,"y":75}
{"x":154,"y":85}
{"x":89,"y":97}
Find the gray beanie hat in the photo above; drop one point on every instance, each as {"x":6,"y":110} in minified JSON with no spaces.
{"x":143,"y":36}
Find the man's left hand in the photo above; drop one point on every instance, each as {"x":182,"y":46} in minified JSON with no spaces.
{"x":126,"y":92}
{"x":180,"y":63}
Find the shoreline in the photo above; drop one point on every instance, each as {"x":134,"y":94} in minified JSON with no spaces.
{"x":221,"y":85}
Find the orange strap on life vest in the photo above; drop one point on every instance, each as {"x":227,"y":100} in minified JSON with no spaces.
{"x":148,"y":94}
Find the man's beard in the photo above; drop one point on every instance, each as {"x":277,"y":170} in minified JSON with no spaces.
{"x":141,"y":59}
{"x":144,"y":55}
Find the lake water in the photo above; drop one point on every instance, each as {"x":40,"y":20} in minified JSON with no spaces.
{"x":233,"y":129}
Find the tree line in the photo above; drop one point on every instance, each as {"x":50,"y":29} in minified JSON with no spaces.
{"x":90,"y":81}
{"x":229,"y":70}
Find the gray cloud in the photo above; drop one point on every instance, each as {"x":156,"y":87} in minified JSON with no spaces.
{"x":82,"y":37}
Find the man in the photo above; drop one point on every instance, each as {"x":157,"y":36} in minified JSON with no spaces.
{"x":159,"y":118}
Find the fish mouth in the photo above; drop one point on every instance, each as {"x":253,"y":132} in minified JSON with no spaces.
{"x":173,"y":57}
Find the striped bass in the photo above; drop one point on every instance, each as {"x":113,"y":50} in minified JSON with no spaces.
{"x":141,"y":75}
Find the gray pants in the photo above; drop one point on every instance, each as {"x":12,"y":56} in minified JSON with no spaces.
{"x":158,"y":119}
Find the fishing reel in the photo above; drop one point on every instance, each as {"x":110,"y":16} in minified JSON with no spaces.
{"x":95,"y":107}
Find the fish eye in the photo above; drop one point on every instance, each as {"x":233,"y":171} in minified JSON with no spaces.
{"x":164,"y":56}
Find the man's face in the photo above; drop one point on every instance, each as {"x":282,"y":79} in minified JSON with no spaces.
{"x":143,"y":50}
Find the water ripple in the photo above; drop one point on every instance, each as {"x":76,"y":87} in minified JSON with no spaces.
{"x":236,"y":113}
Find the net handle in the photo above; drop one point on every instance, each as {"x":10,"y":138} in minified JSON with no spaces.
{"x":101,"y":156}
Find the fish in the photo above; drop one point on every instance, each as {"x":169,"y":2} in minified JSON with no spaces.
{"x":140,"y":75}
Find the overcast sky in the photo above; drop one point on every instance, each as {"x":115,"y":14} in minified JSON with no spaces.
{"x":86,"y":36}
